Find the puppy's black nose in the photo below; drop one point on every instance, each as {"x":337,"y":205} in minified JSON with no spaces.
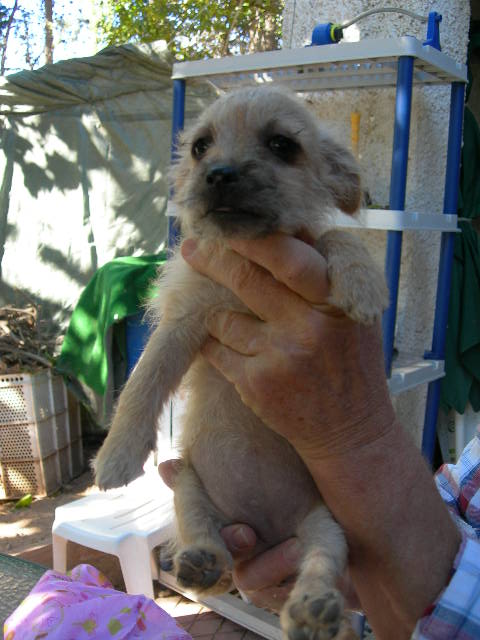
{"x":222,"y":175}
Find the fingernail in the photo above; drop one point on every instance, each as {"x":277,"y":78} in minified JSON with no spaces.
{"x":292,"y":551}
{"x":242,"y":538}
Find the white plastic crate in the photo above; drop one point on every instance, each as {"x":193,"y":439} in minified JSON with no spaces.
{"x":31,"y":440}
{"x":38,"y":477}
{"x":40,"y":434}
{"x":30,"y":397}
{"x":72,"y":461}
{"x":64,"y":463}
{"x":74,"y":418}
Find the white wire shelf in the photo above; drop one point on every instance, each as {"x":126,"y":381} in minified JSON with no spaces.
{"x":409,"y":372}
{"x":393,"y":220}
{"x":368,"y":63}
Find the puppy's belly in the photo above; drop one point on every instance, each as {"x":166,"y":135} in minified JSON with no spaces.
{"x":258,"y":481}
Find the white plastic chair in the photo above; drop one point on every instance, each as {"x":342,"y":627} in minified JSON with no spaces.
{"x":127,"y":522}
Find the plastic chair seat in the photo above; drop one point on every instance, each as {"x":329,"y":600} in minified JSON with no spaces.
{"x":127,"y":522}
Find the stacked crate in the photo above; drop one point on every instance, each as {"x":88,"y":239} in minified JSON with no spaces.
{"x":40,"y":434}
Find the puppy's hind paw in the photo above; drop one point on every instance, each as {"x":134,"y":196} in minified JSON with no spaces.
{"x":204,"y":569}
{"x":313,"y":616}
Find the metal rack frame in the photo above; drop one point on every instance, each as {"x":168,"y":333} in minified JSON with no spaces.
{"x":400,"y":63}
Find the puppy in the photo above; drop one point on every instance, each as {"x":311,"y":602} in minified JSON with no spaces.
{"x":256,"y":162}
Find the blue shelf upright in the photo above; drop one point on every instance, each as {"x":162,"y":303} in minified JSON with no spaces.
{"x":178,"y":122}
{"x":398,"y":188}
{"x":450,"y":204}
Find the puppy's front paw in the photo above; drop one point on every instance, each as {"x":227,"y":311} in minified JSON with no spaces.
{"x":359,"y":291}
{"x":115,"y":466}
{"x":357,"y":285}
{"x":204,"y":569}
{"x":312,"y":616}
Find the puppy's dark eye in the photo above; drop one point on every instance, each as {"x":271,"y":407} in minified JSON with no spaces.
{"x":201,"y":146}
{"x":284,"y":148}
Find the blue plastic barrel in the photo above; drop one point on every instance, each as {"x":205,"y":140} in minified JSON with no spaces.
{"x":137,"y":332}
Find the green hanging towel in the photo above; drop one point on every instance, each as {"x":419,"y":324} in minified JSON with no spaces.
{"x":116,"y":291}
{"x":469,"y":195}
{"x":461,"y":383}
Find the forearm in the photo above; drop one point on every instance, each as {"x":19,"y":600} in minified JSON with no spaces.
{"x":402,"y":541}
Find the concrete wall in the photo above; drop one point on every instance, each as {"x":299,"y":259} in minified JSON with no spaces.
{"x":427,"y":153}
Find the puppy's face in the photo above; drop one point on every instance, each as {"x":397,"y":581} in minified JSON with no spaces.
{"x":257,"y":162}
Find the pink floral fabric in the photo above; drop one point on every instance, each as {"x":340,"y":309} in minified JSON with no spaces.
{"x":84,"y":606}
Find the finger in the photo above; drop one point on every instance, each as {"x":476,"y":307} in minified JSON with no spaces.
{"x":268,"y":298}
{"x":272,"y":598}
{"x":239,"y":331}
{"x":230,"y":363}
{"x":291,"y":261}
{"x":270,"y":567}
{"x":240,"y":540}
{"x":169,"y":470}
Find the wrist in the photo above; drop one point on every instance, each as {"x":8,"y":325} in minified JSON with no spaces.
{"x":352,"y":433}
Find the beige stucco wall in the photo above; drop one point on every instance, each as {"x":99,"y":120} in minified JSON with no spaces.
{"x":427,"y":153}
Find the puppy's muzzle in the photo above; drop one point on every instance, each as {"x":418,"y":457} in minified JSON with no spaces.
{"x":232,"y":200}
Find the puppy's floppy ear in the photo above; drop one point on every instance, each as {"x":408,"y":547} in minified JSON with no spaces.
{"x":342,"y":176}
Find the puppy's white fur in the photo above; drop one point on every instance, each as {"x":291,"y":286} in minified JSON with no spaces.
{"x":256,"y":162}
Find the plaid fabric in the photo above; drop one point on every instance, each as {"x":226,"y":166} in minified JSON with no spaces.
{"x":459,"y":486}
{"x":456,"y":613}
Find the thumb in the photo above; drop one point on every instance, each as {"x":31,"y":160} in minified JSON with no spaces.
{"x":169,"y":470}
{"x":270,"y":567}
{"x":240,"y":540}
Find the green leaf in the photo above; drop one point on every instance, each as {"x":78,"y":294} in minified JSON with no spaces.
{"x":25,"y":501}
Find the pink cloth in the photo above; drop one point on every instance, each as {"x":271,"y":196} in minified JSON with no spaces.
{"x":84,"y":606}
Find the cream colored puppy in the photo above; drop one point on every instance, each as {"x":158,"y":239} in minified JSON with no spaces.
{"x":255,"y":163}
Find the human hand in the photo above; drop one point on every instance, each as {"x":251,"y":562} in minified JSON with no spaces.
{"x":309,"y":372}
{"x":266,"y":579}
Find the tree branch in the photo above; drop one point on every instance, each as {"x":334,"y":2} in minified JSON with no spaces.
{"x":5,"y":39}
{"x":48,"y":31}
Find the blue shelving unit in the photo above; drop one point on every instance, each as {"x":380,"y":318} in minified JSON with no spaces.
{"x":402,"y":63}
